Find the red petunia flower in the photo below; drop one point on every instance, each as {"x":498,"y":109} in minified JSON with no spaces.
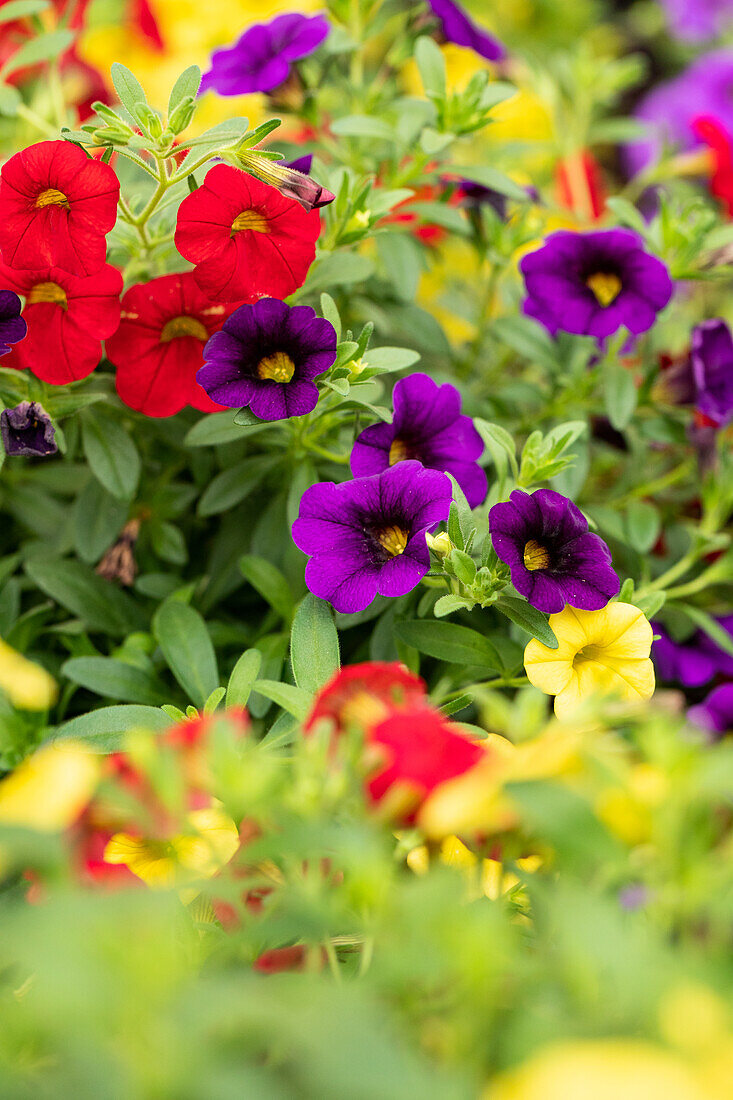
{"x":366,"y":693}
{"x":245,"y":238}
{"x":56,"y":206}
{"x":580,"y":186}
{"x":158,"y":347}
{"x":420,"y":750}
{"x":67,"y":318}
{"x":717,"y":138}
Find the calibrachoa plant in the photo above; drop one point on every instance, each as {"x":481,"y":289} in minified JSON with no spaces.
{"x":366,"y":636}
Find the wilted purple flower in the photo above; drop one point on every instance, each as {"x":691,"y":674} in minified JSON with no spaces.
{"x":266,"y":356}
{"x":27,"y":430}
{"x":712,"y":367}
{"x":367,"y":536}
{"x":12,"y":326}
{"x":554,"y":559}
{"x":715,"y":713}
{"x":696,"y":20}
{"x":427,"y":426}
{"x":260,"y":59}
{"x":458,"y":28}
{"x":704,"y":89}
{"x":595,"y":283}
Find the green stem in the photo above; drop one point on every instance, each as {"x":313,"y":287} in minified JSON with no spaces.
{"x":34,"y":119}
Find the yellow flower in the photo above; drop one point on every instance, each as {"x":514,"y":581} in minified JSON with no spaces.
{"x":162,"y":863}
{"x":49,"y":789}
{"x":26,"y":684}
{"x":600,"y":653}
{"x":604,"y":1069}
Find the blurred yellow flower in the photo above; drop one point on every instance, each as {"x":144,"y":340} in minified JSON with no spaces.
{"x":599,"y":653}
{"x":163,"y":863}
{"x":604,"y":1069}
{"x":26,"y":684}
{"x":50,"y":789}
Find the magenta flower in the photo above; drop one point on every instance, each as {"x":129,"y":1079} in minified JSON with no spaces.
{"x":458,"y":28}
{"x":694,"y":662}
{"x":715,"y":713}
{"x":260,"y":59}
{"x":712,"y":367}
{"x":12,"y":326}
{"x":367,"y":536}
{"x":427,"y":426}
{"x":595,"y":283}
{"x":266,"y":356}
{"x":554,"y":559}
{"x":696,"y":20}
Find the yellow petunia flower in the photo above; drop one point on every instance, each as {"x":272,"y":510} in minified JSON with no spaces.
{"x":600,"y":653}
{"x":26,"y":684}
{"x":49,"y":790}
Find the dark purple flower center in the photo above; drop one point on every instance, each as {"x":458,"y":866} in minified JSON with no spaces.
{"x":251,"y":220}
{"x":535,"y":556}
{"x":47,"y":292}
{"x":605,"y":286}
{"x":277,"y":367}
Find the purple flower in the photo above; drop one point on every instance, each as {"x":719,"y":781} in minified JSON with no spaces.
{"x":260,"y":59}
{"x":427,"y":426}
{"x":686,"y":664}
{"x":300,"y":164}
{"x":459,"y":29}
{"x":554,"y":559}
{"x":266,"y":356}
{"x":704,"y":89}
{"x":27,"y":430}
{"x":12,"y":326}
{"x":595,"y":283}
{"x":715,"y":713}
{"x":712,"y":366}
{"x":367,"y":536}
{"x":696,"y":20}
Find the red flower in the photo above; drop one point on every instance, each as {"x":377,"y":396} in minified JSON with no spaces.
{"x":710,"y":131}
{"x":421,"y":750}
{"x":364,"y":694}
{"x":580,"y":186}
{"x":158,"y":347}
{"x":245,"y":238}
{"x":67,"y":320}
{"x":56,"y":205}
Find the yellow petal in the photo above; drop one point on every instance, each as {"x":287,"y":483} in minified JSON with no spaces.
{"x":150,"y":860}
{"x":550,"y":674}
{"x":26,"y":684}
{"x":628,"y":633}
{"x":50,"y":789}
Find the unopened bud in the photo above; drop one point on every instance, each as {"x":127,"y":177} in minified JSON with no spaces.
{"x":440,"y":544}
{"x":182,"y":115}
{"x":289,"y":182}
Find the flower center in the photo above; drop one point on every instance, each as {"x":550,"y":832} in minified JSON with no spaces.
{"x":394,"y":539}
{"x":605,"y":286}
{"x":278,"y":367}
{"x":52,"y":197}
{"x":588,"y":653}
{"x":47,"y":292}
{"x":183,"y":326}
{"x":398,"y":451}
{"x":535,"y":556}
{"x":250,"y":219}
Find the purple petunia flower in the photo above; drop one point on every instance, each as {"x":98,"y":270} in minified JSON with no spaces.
{"x":259,"y":60}
{"x":696,"y":20}
{"x":300,"y":164}
{"x":12,"y":326}
{"x":595,"y":283}
{"x":715,"y":713}
{"x":694,"y":662}
{"x":458,"y":28}
{"x":554,"y":559}
{"x":427,"y":426}
{"x":27,"y":430}
{"x":704,"y":89}
{"x":266,"y":356}
{"x":712,"y":366}
{"x":367,"y":536}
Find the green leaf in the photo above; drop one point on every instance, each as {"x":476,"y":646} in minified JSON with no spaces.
{"x":709,"y":626}
{"x":245,"y":418}
{"x":458,"y":645}
{"x":529,"y":619}
{"x":115,"y":680}
{"x":363,"y":126}
{"x":21,"y":9}
{"x":98,"y":520}
{"x":10,"y":100}
{"x":187,"y":648}
{"x":402,"y":261}
{"x":329,"y":310}
{"x":231,"y":486}
{"x":643,"y":524}
{"x":292,"y":699}
{"x":492,"y":177}
{"x":112,"y":456}
{"x":46,"y":47}
{"x":98,"y":603}
{"x":456,"y":705}
{"x":269,"y":582}
{"x":391,"y":359}
{"x":431,"y":65}
{"x":449,"y":603}
{"x":336,"y":269}
{"x":314,"y":644}
{"x":188,"y":84}
{"x":527,"y":337}
{"x":168,"y":542}
{"x":619,"y":392}
{"x":104,"y":730}
{"x":242,"y":679}
{"x":217,"y":428}
{"x":129,"y":89}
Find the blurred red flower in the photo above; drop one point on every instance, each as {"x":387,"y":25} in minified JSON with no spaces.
{"x":363,"y":694}
{"x":717,"y":138}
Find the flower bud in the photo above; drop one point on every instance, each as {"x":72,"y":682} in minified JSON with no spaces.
{"x":181,"y":117}
{"x":289,"y":182}
{"x":440,"y":544}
